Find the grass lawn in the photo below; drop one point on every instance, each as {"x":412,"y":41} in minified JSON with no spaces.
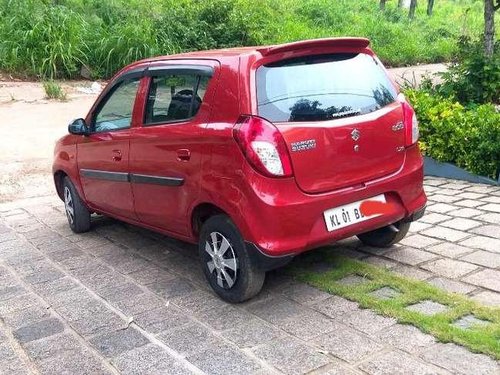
{"x":478,"y":338}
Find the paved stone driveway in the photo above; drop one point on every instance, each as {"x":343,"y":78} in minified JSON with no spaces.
{"x":123,"y":300}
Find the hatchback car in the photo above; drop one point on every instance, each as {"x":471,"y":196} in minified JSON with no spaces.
{"x":257,"y":154}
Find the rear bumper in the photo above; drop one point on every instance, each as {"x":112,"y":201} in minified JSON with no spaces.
{"x":281,"y":220}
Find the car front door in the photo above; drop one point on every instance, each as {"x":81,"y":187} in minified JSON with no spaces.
{"x":103,"y":156}
{"x":166,"y":150}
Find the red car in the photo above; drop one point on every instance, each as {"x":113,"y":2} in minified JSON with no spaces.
{"x":257,"y":154}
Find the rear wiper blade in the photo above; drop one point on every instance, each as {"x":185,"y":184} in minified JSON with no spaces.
{"x":352,"y":112}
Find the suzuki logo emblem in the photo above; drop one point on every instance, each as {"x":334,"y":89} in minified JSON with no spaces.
{"x":355,"y":134}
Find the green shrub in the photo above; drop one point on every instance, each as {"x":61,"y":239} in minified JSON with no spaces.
{"x":472,"y":77}
{"x":468,"y":137}
{"x":53,"y":90}
{"x":54,"y":39}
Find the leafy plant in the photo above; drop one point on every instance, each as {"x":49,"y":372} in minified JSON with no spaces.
{"x":451,"y":132}
{"x":472,"y":77}
{"x":53,"y":90}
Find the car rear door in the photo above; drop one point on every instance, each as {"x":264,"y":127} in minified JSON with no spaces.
{"x":166,"y":150}
{"x":339,"y":114}
{"x":103,"y":156}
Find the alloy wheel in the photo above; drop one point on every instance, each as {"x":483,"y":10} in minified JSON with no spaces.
{"x":222,"y":263}
{"x":68,"y":205}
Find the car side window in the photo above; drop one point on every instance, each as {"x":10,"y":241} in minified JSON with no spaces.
{"x":116,"y":112}
{"x":174,"y":98}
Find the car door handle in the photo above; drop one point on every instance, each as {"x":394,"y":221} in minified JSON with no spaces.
{"x":183,"y":154}
{"x":117,"y":155}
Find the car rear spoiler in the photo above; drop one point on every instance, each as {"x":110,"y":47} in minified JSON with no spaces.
{"x":360,"y":43}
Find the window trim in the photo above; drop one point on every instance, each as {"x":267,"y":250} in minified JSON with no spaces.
{"x":197,"y":71}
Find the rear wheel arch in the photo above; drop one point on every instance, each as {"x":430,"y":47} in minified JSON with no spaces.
{"x":201,"y":213}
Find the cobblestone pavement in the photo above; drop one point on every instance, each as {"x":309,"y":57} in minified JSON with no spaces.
{"x":124,"y":300}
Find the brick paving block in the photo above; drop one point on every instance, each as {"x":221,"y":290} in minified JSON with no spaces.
{"x":483,"y":243}
{"x":417,"y":226}
{"x":487,"y":230}
{"x":466,"y":212}
{"x":443,"y":191}
{"x":17,"y":303}
{"x":251,"y":333}
{"x":307,"y":325}
{"x":488,"y":298}
{"x":303,"y":293}
{"x":10,"y":291}
{"x":397,"y":363}
{"x":367,"y":321}
{"x":411,"y":272}
{"x":493,"y":207}
{"x":428,"y":307}
{"x":405,"y":337}
{"x":469,"y":321}
{"x":114,"y":343}
{"x":32,"y":314}
{"x":489,"y":279}
{"x":353,"y":280}
{"x":385,"y":293}
{"x":52,"y":346}
{"x":449,"y":268}
{"x":188,"y":339}
{"x":483,"y":258}
{"x":38,"y":330}
{"x":224,"y":317}
{"x":441,"y":198}
{"x":450,"y":250}
{"x":7,"y":353}
{"x":434,"y":218}
{"x":151,"y":275}
{"x":419,"y":241}
{"x":148,"y":359}
{"x":481,"y":189}
{"x":336,"y":307}
{"x":446,"y":234}
{"x":455,"y":185}
{"x":380,"y":262}
{"x":490,"y":218}
{"x":51,"y":289}
{"x":471,"y":203}
{"x":224,"y":359}
{"x":452,"y":286}
{"x":172,"y":288}
{"x":276,"y":309}
{"x":140,"y":303}
{"x":461,"y":224}
{"x":459,"y":360}
{"x":410,"y":255}
{"x":441,"y":208}
{"x":70,"y":362}
{"x":121,"y":292}
{"x":433,"y":181}
{"x":162,"y":319}
{"x":198,"y":300}
{"x":471,"y":195}
{"x":348,"y":344}
{"x":291,"y":356}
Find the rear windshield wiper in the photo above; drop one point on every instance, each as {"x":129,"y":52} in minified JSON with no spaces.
{"x":352,"y":112}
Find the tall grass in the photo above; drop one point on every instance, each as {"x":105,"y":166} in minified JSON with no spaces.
{"x":55,"y":38}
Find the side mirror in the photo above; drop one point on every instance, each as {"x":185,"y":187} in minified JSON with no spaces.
{"x":78,"y":127}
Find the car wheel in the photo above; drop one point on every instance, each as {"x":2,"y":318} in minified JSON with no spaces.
{"x":225,"y":261}
{"x":386,"y":236}
{"x":78,"y":215}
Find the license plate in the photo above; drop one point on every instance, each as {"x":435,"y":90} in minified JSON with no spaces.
{"x":349,"y":214}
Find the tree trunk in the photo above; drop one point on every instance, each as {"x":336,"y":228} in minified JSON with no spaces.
{"x":382,"y":4}
{"x":400,"y":3}
{"x":489,"y":27}
{"x":413,"y":6}
{"x":430,"y":7}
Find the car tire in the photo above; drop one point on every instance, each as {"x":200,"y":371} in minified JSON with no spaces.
{"x":77,"y":213}
{"x":228,"y":269}
{"x":386,"y":236}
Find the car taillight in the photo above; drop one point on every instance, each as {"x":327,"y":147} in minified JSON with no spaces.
{"x":410,"y":121}
{"x":263,"y":146}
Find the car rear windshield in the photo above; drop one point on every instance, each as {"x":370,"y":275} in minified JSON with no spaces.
{"x":322,"y":87}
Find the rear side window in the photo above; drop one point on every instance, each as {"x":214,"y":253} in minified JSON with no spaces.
{"x":322,"y":87}
{"x":174,"y":97}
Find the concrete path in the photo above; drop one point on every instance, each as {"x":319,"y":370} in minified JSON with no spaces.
{"x":124,"y":300}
